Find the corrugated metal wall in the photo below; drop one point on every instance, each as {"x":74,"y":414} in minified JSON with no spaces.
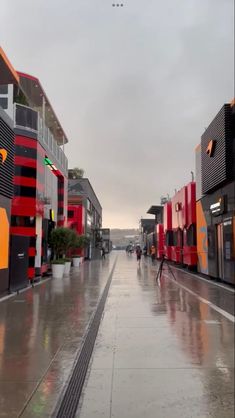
{"x":7,"y":144}
{"x":217,"y":168}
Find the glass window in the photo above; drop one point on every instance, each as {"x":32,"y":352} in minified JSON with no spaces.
{"x":23,"y":221}
{"x":211,"y":234}
{"x":88,"y":205}
{"x":191,"y":235}
{"x":4,"y":102}
{"x":169,"y":238}
{"x":4,"y":89}
{"x":26,"y":117}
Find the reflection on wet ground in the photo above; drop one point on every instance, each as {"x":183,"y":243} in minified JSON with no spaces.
{"x":41,"y":331}
{"x":161,"y":351}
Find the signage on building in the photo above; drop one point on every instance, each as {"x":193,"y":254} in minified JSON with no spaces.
{"x":218,"y":207}
{"x":177,"y":207}
{"x":52,"y":215}
{"x":211,"y":148}
{"x":3,"y":154}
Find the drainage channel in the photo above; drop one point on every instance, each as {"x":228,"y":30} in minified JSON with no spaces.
{"x":68,"y":406}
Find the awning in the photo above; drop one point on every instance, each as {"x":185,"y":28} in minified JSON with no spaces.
{"x":155,"y":210}
{"x":8,"y":75}
{"x":35,"y":95}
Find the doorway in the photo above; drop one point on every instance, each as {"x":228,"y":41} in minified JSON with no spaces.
{"x":38,"y":261}
{"x":220,"y":250}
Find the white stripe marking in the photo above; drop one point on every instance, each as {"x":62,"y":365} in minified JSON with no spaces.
{"x":205,"y":280}
{"x":210,"y":304}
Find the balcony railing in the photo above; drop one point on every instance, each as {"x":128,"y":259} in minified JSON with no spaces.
{"x":30,"y":120}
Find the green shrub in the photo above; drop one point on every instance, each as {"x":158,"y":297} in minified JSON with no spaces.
{"x":58,"y":261}
{"x":62,"y":240}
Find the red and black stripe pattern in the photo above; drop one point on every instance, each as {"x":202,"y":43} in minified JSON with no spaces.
{"x":28,"y":182}
{"x":60,"y":200}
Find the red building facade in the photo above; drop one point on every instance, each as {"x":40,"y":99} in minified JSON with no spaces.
{"x":40,"y":170}
{"x":183,"y":249}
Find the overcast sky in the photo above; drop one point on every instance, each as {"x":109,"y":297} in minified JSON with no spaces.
{"x":133,"y":86}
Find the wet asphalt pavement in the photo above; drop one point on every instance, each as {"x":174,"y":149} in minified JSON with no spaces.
{"x":41,"y":331}
{"x":164,"y":350}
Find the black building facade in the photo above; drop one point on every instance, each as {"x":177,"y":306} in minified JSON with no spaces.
{"x":216,"y":197}
{"x":6,"y":194}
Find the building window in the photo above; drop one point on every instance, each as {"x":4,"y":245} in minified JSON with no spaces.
{"x":191,"y":235}
{"x":25,"y":221}
{"x":4,"y":102}
{"x":88,"y":205}
{"x":70,"y":213}
{"x":169,"y":238}
{"x":4,"y":89}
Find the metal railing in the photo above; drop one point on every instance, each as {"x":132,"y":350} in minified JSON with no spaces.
{"x":29,"y":119}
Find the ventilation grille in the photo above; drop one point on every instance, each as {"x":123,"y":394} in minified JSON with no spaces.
{"x":6,"y":168}
{"x":218,"y":168}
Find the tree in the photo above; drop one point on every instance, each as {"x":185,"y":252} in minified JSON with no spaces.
{"x":75,"y":173}
{"x":82,"y":241}
{"x":62,"y":240}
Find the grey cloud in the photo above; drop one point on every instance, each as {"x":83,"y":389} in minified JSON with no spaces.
{"x":134,"y":88}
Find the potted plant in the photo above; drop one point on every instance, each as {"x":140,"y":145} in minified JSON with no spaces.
{"x":77,"y":246}
{"x":81,"y":242}
{"x":58,"y":243}
{"x":71,"y":238}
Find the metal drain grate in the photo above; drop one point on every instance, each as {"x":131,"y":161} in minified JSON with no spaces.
{"x":70,"y":400}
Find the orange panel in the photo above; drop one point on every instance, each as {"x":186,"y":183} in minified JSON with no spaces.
{"x":202,"y":241}
{"x":4,"y":239}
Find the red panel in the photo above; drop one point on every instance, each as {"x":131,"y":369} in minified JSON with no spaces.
{"x":160,"y":240}
{"x":23,"y":206}
{"x":78,"y":220}
{"x":167,"y":216}
{"x":27,"y":162}
{"x":31,"y":273}
{"x":25,"y":141}
{"x":190,"y":256}
{"x":25,"y":181}
{"x":32,"y":250}
{"x":22,"y":230}
{"x":191,"y":190}
{"x":176,"y":254}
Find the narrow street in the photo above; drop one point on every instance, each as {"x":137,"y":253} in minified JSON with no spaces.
{"x":163,"y":349}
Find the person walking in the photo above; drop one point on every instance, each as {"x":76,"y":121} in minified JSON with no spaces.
{"x":138,"y":254}
{"x":153,"y":253}
{"x":103,"y":253}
